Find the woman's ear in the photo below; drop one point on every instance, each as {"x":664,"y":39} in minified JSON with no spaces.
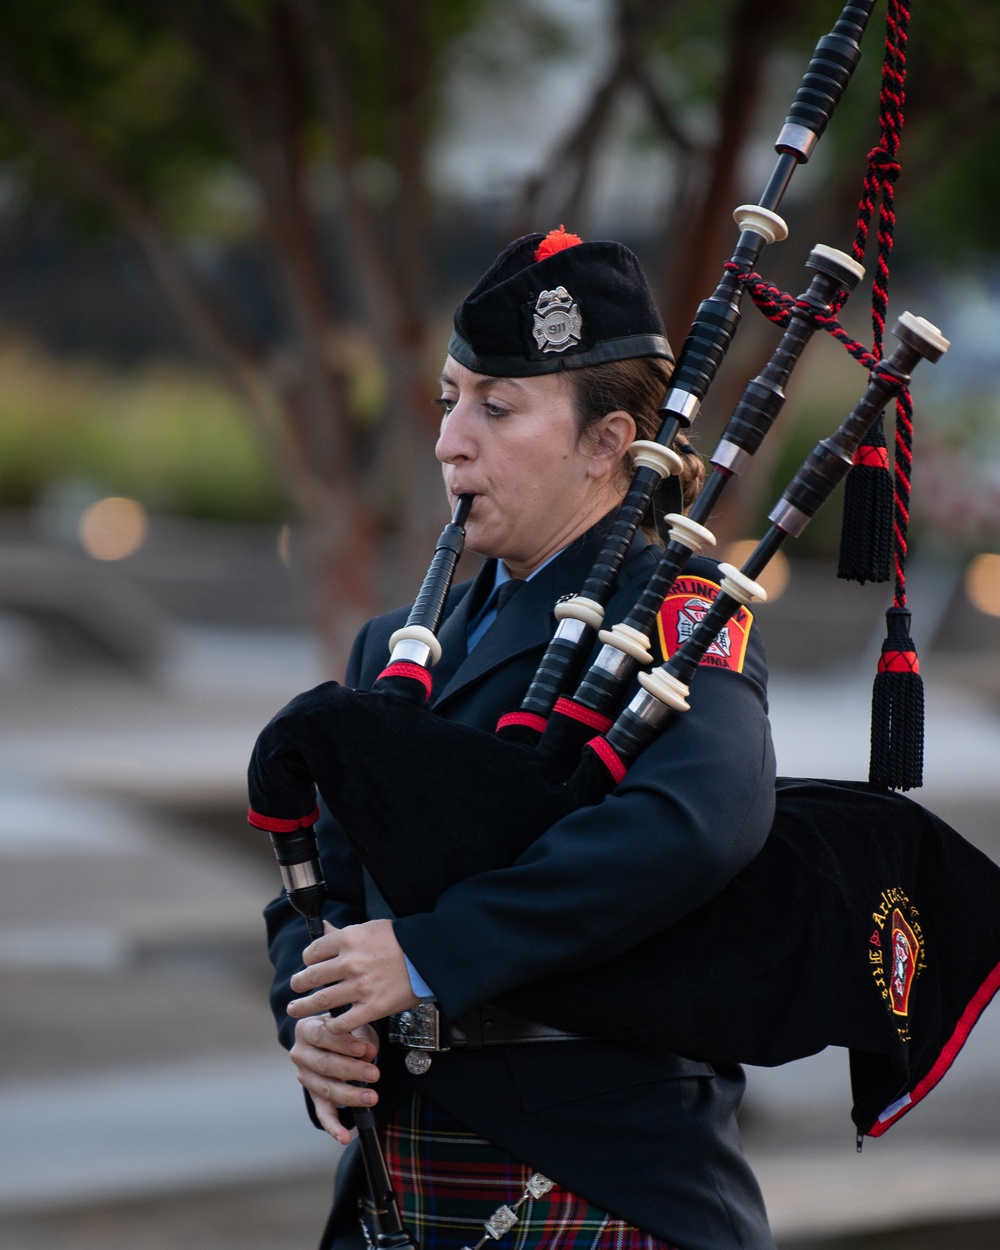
{"x":610,"y":438}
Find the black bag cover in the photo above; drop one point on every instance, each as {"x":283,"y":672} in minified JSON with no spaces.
{"x":865,"y":922}
{"x":407,"y":786}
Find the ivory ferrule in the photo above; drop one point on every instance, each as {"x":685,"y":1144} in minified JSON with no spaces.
{"x":770,"y":227}
{"x":650,"y":455}
{"x":689,"y":533}
{"x":584,"y":611}
{"x":738,"y":586}
{"x":421,"y":637}
{"x":663,"y":693}
{"x":839,"y":259}
{"x":627,"y":640}
{"x":922,"y":334}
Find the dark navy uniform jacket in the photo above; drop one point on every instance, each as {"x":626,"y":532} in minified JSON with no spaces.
{"x":640,"y":1132}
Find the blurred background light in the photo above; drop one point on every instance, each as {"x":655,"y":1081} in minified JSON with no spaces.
{"x":113,"y":528}
{"x":775,"y":577}
{"x":982,"y":583}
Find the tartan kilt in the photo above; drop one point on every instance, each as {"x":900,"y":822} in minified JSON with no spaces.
{"x":448,"y":1182}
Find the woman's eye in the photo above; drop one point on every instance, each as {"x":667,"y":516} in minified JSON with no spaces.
{"x":494,"y":410}
{"x":445,"y":404}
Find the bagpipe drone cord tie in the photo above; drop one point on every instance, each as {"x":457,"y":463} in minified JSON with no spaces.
{"x":877,"y":505}
{"x":877,"y":508}
{"x":867,"y":530}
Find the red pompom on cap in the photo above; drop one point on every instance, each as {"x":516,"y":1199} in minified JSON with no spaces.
{"x":556,"y":241}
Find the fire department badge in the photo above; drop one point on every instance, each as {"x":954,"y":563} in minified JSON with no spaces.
{"x":558,"y":323}
{"x":688,"y":601}
{"x":896,"y":953}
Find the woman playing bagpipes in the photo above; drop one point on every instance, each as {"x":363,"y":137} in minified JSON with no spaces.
{"x":591,"y":922}
{"x":557,"y":365}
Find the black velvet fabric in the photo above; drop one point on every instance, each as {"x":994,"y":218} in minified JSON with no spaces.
{"x":377,"y":761}
{"x":795,"y":954}
{"x":782,"y":964}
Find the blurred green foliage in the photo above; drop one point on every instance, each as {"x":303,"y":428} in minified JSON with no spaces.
{"x":136,"y":77}
{"x":138,"y":81}
{"x":172,"y":438}
{"x":132,"y":86}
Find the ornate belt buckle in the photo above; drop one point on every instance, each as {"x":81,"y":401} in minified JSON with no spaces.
{"x":419,"y":1030}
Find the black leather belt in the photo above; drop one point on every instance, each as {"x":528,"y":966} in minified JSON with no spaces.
{"x":424,"y":1028}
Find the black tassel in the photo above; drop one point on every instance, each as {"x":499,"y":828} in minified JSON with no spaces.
{"x":866,"y":530}
{"x":897,"y":740}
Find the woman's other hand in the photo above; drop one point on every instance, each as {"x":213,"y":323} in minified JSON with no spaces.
{"x":361,"y":968}
{"x":329,"y":1064}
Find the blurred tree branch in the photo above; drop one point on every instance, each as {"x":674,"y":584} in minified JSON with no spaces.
{"x":561,"y":186}
{"x":277,"y":88}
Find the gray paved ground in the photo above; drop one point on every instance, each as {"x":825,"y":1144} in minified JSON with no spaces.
{"x":143,"y":1101}
{"x":275,"y":1215}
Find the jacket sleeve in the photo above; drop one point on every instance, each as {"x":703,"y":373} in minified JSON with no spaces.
{"x":694,"y":809}
{"x":287,"y":934}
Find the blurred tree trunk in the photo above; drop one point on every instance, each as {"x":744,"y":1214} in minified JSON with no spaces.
{"x":350,"y":486}
{"x":701,"y":232}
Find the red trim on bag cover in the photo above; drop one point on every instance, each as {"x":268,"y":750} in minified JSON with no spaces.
{"x":274,"y":824}
{"x":576,"y":711}
{"x":531,"y":720}
{"x":416,"y":672}
{"x":898,"y":662}
{"x":606,"y":754}
{"x":977,"y":1005}
{"x":872,"y":457}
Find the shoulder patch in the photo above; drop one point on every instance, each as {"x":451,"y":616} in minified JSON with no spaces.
{"x":688,"y":601}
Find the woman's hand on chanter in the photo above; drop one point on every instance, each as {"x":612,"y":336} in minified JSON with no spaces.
{"x":329,"y":1063}
{"x":360,"y":967}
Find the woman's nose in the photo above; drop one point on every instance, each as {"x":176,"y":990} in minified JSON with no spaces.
{"x":454,"y":442}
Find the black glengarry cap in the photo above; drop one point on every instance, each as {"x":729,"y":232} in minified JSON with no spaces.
{"x":552,"y":302}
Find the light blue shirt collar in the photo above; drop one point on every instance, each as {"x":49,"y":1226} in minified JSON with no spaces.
{"x":487,"y":614}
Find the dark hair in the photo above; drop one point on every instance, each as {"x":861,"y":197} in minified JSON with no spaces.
{"x":635,"y":386}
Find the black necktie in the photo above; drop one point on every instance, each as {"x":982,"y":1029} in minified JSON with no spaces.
{"x":506,"y":591}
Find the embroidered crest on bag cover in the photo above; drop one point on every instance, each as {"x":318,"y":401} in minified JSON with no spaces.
{"x":688,"y":601}
{"x":897,"y":954}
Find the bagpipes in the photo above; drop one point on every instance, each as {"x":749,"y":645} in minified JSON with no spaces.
{"x":865,"y":921}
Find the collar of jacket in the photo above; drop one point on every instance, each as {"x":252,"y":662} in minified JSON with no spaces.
{"x":527,"y":623}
